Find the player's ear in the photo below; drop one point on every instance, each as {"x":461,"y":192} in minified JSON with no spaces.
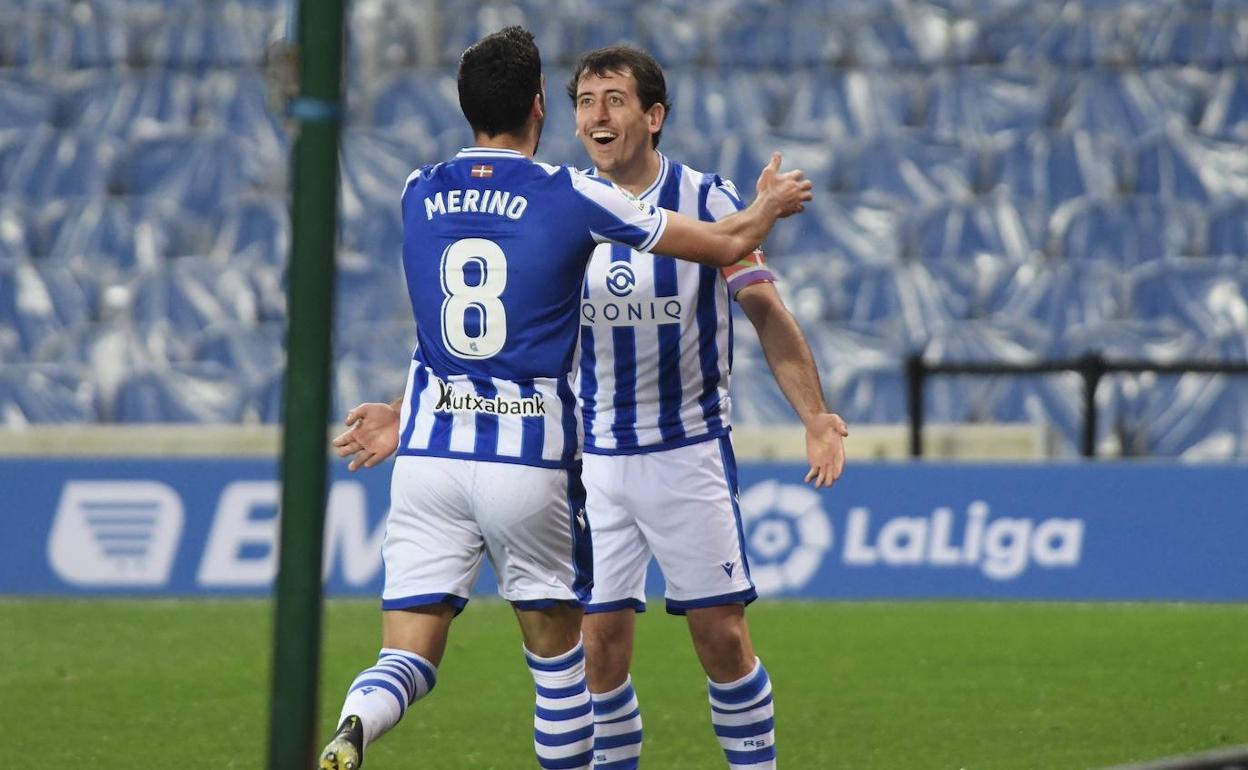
{"x":655,"y":117}
{"x":538,"y":111}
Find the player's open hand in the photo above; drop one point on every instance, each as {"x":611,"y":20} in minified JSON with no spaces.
{"x":787,"y":190}
{"x":372,"y":435}
{"x":825,"y":449}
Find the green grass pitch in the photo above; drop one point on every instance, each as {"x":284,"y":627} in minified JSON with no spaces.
{"x":176,"y":685}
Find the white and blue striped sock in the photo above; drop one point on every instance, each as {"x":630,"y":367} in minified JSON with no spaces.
{"x":563,"y":724}
{"x":381,"y":693}
{"x":617,"y":728}
{"x":744,"y":720}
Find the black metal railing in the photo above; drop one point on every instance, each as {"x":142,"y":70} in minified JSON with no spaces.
{"x":1092,"y":368}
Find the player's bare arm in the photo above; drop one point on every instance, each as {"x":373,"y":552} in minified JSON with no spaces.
{"x":722,"y":243}
{"x":372,"y":434}
{"x":793,"y":366}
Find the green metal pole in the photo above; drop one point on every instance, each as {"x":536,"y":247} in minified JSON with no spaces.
{"x":297,"y":630}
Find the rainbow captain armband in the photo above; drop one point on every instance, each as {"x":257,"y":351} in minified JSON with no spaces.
{"x":752,"y":269}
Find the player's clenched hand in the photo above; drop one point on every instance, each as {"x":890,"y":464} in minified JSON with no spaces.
{"x":372,"y":435}
{"x":825,"y":448}
{"x":787,"y":190}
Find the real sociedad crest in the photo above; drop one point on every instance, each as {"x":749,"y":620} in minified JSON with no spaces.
{"x":787,"y":534}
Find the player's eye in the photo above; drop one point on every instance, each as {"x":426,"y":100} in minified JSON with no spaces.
{"x":616,"y":101}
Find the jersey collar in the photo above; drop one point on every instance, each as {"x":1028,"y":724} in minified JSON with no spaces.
{"x":664,"y":165}
{"x":488,"y":152}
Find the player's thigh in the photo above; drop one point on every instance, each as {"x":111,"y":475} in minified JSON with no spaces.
{"x":536,"y":532}
{"x":693,"y":525}
{"x":433,"y":547}
{"x":621,"y":553}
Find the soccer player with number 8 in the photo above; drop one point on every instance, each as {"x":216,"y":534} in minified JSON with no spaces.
{"x":495,"y":248}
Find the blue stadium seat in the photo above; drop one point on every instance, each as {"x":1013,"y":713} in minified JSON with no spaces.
{"x":1118,"y":103}
{"x":842,"y":104}
{"x":15,"y":231}
{"x":369,"y":291}
{"x":374,"y":167}
{"x":204,"y":393}
{"x":254,"y":229}
{"x":125,"y":233}
{"x":25,"y":104}
{"x":841,"y":228}
{"x":907,"y":171}
{"x":194,"y":170}
{"x":27,"y":304}
{"x":199,"y":36}
{"x":1061,"y":295}
{"x":43,"y":393}
{"x":960,"y":231}
{"x":1206,"y":296}
{"x":1197,"y":39}
{"x":377,"y":343}
{"x":973,"y":102}
{"x":424,"y":104}
{"x":53,"y":164}
{"x":253,"y":352}
{"x":85,"y":35}
{"x":1127,"y":232}
{"x":904,"y":302}
{"x":712,"y":104}
{"x":1226,"y":113}
{"x":1181,"y":166}
{"x":194,"y":293}
{"x":883,"y":40}
{"x":984,"y":399}
{"x":1228,"y":231}
{"x":130,"y":104}
{"x":378,"y":236}
{"x":354,"y":383}
{"x":1051,"y":168}
{"x":236,"y":105}
{"x":1192,"y":416}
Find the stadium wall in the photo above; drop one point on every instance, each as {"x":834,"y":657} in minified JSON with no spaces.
{"x":1078,"y":531}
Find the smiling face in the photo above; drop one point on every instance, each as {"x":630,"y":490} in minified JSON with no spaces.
{"x":612,"y":125}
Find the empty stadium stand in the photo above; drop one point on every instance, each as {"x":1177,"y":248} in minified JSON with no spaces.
{"x":999,"y":180}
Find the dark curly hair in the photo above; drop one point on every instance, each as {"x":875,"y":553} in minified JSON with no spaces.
{"x":498,"y":76}
{"x":651,"y":85}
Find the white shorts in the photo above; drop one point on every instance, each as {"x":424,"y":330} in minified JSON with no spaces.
{"x":679,"y":505}
{"x":445,"y":514}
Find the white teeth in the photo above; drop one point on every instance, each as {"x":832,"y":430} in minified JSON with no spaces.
{"x":602,"y":135}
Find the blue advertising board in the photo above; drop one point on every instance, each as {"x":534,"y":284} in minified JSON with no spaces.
{"x":1097,"y":531}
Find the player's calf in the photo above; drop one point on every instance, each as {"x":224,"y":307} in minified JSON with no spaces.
{"x":744,"y":720}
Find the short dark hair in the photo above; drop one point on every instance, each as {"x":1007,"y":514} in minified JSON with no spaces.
{"x":498,"y":76}
{"x":651,"y":85}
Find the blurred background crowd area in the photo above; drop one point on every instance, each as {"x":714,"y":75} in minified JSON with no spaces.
{"x":1008,"y":180}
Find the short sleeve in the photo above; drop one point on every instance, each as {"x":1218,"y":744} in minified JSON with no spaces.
{"x":614,"y":216}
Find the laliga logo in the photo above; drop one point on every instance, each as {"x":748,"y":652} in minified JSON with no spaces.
{"x":620,"y":279}
{"x":787,"y":533}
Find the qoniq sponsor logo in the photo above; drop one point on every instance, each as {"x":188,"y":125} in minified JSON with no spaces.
{"x":620,"y":282}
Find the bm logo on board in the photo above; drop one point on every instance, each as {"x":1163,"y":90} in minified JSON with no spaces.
{"x":119,"y":533}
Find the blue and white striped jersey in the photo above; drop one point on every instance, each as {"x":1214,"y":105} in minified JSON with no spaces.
{"x":656,"y":332}
{"x":495,"y":247}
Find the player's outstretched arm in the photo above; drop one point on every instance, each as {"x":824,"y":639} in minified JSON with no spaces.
{"x":794,"y":368}
{"x":372,"y":434}
{"x":723,"y":243}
